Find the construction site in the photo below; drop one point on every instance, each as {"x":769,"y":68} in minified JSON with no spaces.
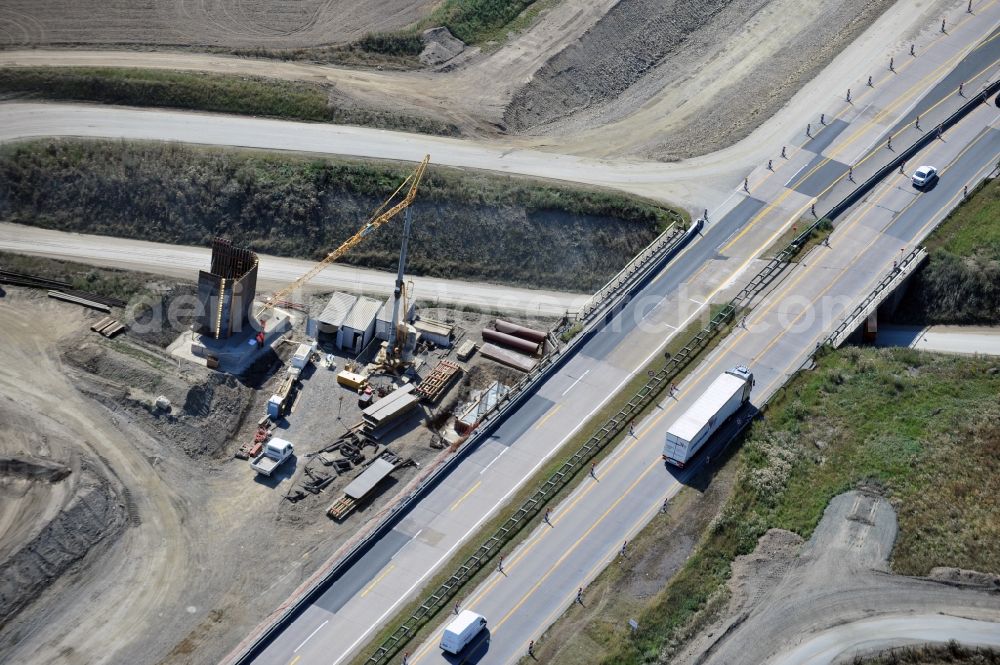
{"x":259,"y":414}
{"x":280,"y":389}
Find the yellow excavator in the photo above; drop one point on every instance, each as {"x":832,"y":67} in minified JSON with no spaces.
{"x":381,"y":216}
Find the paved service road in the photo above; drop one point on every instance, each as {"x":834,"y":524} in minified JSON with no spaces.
{"x":890,"y":631}
{"x":185,"y":262}
{"x":946,"y":339}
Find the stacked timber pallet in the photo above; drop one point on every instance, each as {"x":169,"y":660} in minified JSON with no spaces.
{"x":513,"y":345}
{"x":432,"y":387}
{"x":108,"y":326}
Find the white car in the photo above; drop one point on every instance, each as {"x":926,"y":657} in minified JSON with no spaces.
{"x":924,"y":175}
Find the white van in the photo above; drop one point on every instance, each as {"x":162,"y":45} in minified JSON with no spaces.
{"x":461,"y":630}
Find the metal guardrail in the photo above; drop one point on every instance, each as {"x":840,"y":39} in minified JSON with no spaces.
{"x":443,"y":595}
{"x":605,"y":434}
{"x":888,"y":284}
{"x":663,"y":242}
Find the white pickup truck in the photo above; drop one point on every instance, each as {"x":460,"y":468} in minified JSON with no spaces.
{"x":276,"y":451}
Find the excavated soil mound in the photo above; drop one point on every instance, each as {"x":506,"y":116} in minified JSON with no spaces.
{"x":93,"y":515}
{"x":633,"y":37}
{"x":207,"y":408}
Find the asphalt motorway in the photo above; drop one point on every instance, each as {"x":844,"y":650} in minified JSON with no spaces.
{"x":364,"y":597}
{"x":540,"y":578}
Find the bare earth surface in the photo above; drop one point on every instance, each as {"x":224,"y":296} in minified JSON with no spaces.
{"x":151,"y":550}
{"x":814,"y":603}
{"x":607,"y":79}
{"x":232,"y":23}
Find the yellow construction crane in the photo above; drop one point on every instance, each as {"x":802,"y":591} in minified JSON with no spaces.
{"x":380,"y":217}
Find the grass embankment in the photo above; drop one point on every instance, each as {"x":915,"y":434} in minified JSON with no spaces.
{"x":922,"y":428}
{"x":202,"y":91}
{"x":816,"y":236}
{"x":467,"y":225}
{"x":531,"y":485}
{"x":933,"y":654}
{"x":961,"y":282}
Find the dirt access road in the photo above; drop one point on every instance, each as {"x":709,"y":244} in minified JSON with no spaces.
{"x":612,"y":79}
{"x":834,"y":596}
{"x":142,"y":554}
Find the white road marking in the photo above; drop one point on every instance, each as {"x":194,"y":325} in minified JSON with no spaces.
{"x":493,"y":460}
{"x":573,"y":385}
{"x":311,"y":636}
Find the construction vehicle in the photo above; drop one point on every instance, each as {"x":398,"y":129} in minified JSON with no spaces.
{"x":727,"y":394}
{"x":275,"y":452}
{"x":384,"y":214}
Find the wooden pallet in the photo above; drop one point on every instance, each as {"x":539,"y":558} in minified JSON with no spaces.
{"x":341,"y":508}
{"x":431,"y":388}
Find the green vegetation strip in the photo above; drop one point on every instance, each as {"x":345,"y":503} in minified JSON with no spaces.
{"x":467,"y":224}
{"x":961,"y":282}
{"x":477,"y":21}
{"x":921,"y":428}
{"x":473,"y":21}
{"x":202,"y":91}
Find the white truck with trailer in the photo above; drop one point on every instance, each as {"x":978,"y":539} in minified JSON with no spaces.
{"x":717,"y":404}
{"x":275,"y":452}
{"x":462,"y":630}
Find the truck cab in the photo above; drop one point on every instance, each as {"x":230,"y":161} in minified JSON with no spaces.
{"x":275,"y":452}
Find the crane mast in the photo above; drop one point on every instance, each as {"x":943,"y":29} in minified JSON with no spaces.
{"x":382,"y":216}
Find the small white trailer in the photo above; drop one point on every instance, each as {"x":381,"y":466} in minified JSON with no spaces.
{"x":716,"y":405}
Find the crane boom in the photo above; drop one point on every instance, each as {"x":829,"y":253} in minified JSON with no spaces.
{"x":381,"y":217}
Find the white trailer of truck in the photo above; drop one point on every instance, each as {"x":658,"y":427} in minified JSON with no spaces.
{"x":716,"y":405}
{"x":275,"y":452}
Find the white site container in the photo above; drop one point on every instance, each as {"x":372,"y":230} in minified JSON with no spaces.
{"x":716,"y":405}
